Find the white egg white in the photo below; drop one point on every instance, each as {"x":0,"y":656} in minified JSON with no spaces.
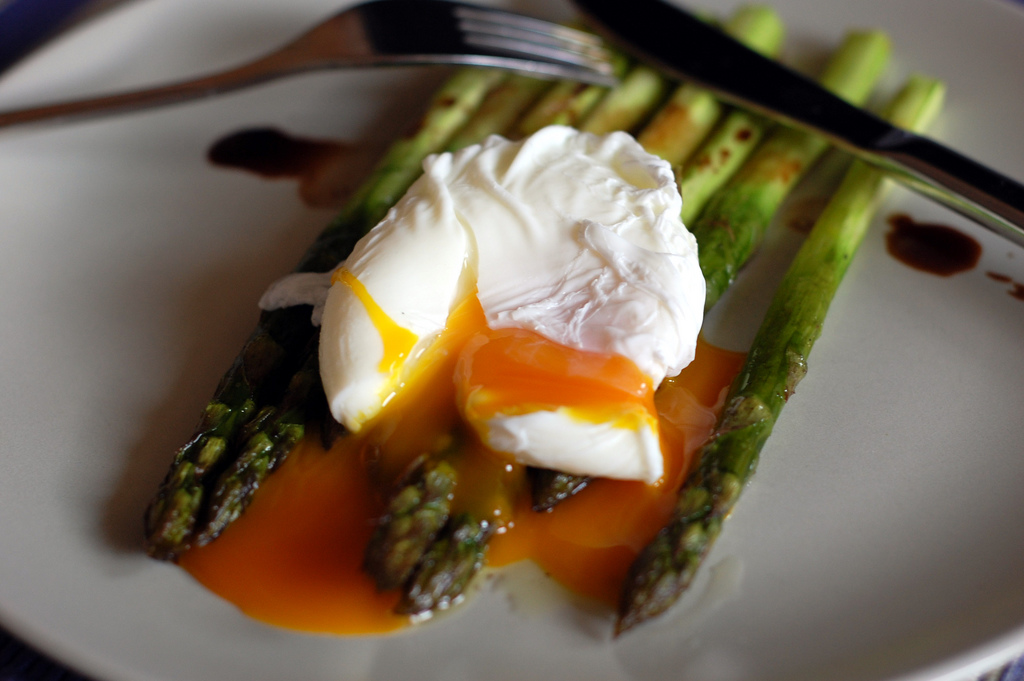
{"x":570,"y":235}
{"x":558,"y":440}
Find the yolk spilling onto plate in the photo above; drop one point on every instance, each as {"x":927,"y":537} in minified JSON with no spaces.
{"x":294,"y":558}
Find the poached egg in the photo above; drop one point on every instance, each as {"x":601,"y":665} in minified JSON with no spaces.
{"x":587,"y":281}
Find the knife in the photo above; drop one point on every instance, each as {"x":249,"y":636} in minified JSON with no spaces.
{"x":683,"y":45}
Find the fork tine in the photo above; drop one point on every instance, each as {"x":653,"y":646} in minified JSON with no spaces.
{"x":515,"y":46}
{"x":592,"y":51}
{"x":447,"y":31}
{"x":529,"y":37}
{"x":539,"y":27}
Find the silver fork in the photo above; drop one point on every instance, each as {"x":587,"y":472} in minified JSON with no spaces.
{"x":381,"y":32}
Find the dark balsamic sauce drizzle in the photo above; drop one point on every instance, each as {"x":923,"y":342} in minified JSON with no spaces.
{"x":1016,"y":288}
{"x":269,"y":152}
{"x":940,"y":250}
{"x":326,"y":170}
{"x":936,"y":249}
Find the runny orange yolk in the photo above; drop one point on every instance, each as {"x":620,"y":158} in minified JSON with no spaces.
{"x":514,"y":371}
{"x":294,"y":558}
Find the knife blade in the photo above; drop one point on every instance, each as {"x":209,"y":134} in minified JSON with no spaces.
{"x":676,"y":41}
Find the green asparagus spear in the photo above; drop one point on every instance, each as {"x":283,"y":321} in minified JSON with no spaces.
{"x":718,"y":158}
{"x":448,"y":567}
{"x":733,"y":223}
{"x":758,"y":27}
{"x":674,"y":131}
{"x":775,"y":365}
{"x":739,"y":132}
{"x":681,"y":124}
{"x":567,"y":103}
{"x":280,"y":344}
{"x":171,"y":516}
{"x":415,"y":517}
{"x":626,"y":106}
{"x":269,"y":437}
{"x":549,"y":488}
{"x":500,"y":110}
{"x":450,"y":109}
{"x":691,"y":113}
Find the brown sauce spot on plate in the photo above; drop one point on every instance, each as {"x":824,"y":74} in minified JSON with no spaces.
{"x":326,"y":169}
{"x":936,"y":249}
{"x":1016,"y":289}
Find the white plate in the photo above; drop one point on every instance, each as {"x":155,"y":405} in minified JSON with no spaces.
{"x":882,"y":537}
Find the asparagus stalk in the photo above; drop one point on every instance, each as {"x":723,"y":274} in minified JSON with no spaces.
{"x":625,"y":106}
{"x":675,"y":130}
{"x":450,"y":109}
{"x":775,"y":365}
{"x":691,"y":113}
{"x":174,"y":512}
{"x":681,"y":124}
{"x":414,"y":519}
{"x":549,"y":488}
{"x":448,"y":567}
{"x":720,"y":156}
{"x":280,"y":344}
{"x":733,"y":223}
{"x":567,"y":103}
{"x":500,"y":110}
{"x":269,"y":437}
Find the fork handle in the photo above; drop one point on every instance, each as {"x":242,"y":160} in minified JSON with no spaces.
{"x":262,"y":70}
